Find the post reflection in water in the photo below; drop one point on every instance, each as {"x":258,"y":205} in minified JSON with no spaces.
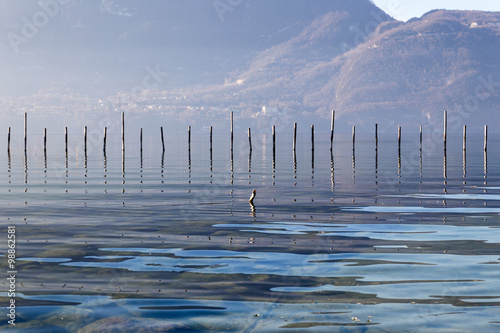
{"x":211,"y":159}
{"x":376,"y":162}
{"x":250,"y":167}
{"x":485,"y":167}
{"x":9,"y":168}
{"x":312,"y":166}
{"x":332,"y":169}
{"x":353,"y":167}
{"x":25,"y":170}
{"x":295,"y":167}
{"x":123,"y":170}
{"x":105,"y":171}
{"x":162,"y":169}
{"x":445,"y":166}
{"x":464,"y":163}
{"x":189,"y":165}
{"x":274,"y":155}
{"x":353,"y":154}
{"x":399,"y":166}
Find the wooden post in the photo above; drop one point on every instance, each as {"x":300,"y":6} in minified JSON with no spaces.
{"x":189,"y":149}
{"x":465,"y":138}
{"x":312,"y":137}
{"x":162,"y":138}
{"x":85,"y":139}
{"x":45,"y":140}
{"x":376,"y":136}
{"x":353,"y":138}
{"x":189,"y":144}
{"x":66,"y":141}
{"x":123,"y":131}
{"x":250,"y":138}
{"x":232,"y":130}
{"x":294,"y":136}
{"x":464,"y":156}
{"x":25,"y":131}
{"x":421,"y":137}
{"x":399,"y":138}
{"x":485,"y":138}
{"x":211,"y":138}
{"x":420,"y":157}
{"x":332,"y":130}
{"x":8,"y":141}
{"x":104,"y":139}
{"x":445,"y":130}
{"x":211,"y":153}
{"x":140,"y":141}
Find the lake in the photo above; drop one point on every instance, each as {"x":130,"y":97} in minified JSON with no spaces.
{"x":360,"y":241}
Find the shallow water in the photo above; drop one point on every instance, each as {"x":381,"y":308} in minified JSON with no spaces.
{"x":355,"y":241}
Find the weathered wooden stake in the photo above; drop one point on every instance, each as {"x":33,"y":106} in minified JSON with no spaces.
{"x":312,"y":137}
{"x":45,"y":140}
{"x":8,"y":141}
{"x":104,"y":139}
{"x":332,"y":131}
{"x":250,"y":138}
{"x":294,"y":136}
{"x":162,"y":138}
{"x":376,"y":136}
{"x":211,"y":138}
{"x":123,"y":131}
{"x":464,"y":156}
{"x":465,"y":138}
{"x":485,"y":137}
{"x":25,"y":131}
{"x":189,"y":149}
{"x":85,"y":139}
{"x":399,"y":139}
{"x":353,"y":138}
{"x":211,"y":152}
{"x":421,"y":138}
{"x":232,"y":123}
{"x":140,"y":142}
{"x":445,"y":130}
{"x":66,"y":141}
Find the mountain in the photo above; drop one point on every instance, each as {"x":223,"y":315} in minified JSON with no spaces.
{"x":271,"y":61}
{"x":411,"y":72}
{"x":405,"y":73}
{"x":103,"y":46}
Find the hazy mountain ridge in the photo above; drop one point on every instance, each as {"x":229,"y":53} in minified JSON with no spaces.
{"x":94,"y":45}
{"x":405,"y":72}
{"x":200,"y":59}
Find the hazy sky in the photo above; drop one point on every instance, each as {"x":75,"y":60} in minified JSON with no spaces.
{"x":406,"y":9}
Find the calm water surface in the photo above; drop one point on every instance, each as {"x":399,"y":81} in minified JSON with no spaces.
{"x":365,"y":241}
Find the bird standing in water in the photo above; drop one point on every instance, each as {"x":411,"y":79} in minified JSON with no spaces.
{"x":252,"y":197}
